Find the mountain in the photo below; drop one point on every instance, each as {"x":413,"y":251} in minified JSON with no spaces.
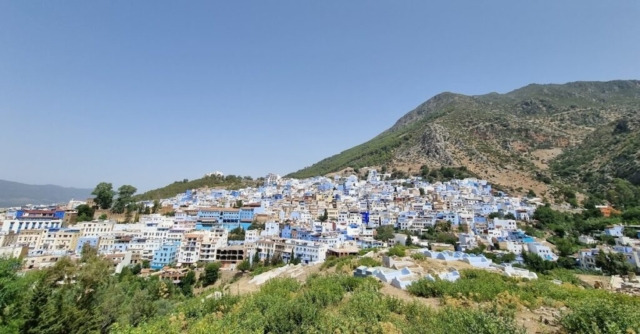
{"x":230,"y":182}
{"x":555,"y":139}
{"x":17,"y":194}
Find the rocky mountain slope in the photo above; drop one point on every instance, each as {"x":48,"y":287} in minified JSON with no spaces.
{"x":579,"y":135}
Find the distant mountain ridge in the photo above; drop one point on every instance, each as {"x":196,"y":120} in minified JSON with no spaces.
{"x":579,"y":135}
{"x":17,"y":194}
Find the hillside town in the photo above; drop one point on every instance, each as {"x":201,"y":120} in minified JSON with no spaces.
{"x":303,"y":221}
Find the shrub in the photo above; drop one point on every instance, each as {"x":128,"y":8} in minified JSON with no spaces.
{"x":603,"y":315}
{"x":369,"y":262}
{"x":397,"y":250}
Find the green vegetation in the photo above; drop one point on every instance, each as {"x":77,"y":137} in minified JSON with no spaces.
{"x":324,"y":216}
{"x":80,"y":298}
{"x":124,"y":202}
{"x":237,"y":233}
{"x":397,"y":250}
{"x":85,"y":213}
{"x":483,"y":286}
{"x":585,"y":317}
{"x":213,"y":181}
{"x":497,"y":132}
{"x":565,"y":228}
{"x":71,"y":298}
{"x":385,"y":233}
{"x":324,"y":304}
{"x":211,"y":273}
{"x":104,"y":194}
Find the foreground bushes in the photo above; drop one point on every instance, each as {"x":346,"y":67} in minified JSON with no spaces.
{"x":603,"y":315}
{"x":325,"y":304}
{"x":588,"y":310}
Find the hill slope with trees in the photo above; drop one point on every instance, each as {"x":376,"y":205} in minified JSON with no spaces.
{"x":580,"y":136}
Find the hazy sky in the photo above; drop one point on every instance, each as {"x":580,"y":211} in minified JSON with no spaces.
{"x":149,"y":92}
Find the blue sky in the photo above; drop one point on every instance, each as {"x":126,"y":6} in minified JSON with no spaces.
{"x":149,"y":92}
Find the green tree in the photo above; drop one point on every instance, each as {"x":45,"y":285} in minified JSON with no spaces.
{"x":531,"y":194}
{"x":409,"y":241}
{"x":613,"y":263}
{"x":146,"y":264}
{"x":125,"y":199}
{"x":85,"y":213}
{"x":421,"y":191}
{"x":135,"y":270}
{"x":244,"y":266}
{"x":211,"y":273}
{"x":384,"y":233}
{"x":276,"y":259}
{"x":536,"y":263}
{"x":565,"y":247}
{"x":187,"y":282}
{"x":509,"y":215}
{"x":103,"y":195}
{"x":237,"y":233}
{"x":324,"y":217}
{"x":156,"y":206}
{"x":87,"y":252}
{"x":255,"y":261}
{"x":103,"y":216}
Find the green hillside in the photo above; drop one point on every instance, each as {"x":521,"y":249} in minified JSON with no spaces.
{"x":213,"y":181}
{"x":496,"y":136}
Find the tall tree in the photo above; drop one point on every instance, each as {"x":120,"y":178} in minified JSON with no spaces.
{"x":255,"y":261}
{"x":324,"y":217}
{"x":211,"y":273}
{"x":409,"y":241}
{"x":156,"y":206}
{"x":104,"y":195}
{"x":85,"y":213}
{"x":384,"y":233}
{"x":125,"y":197}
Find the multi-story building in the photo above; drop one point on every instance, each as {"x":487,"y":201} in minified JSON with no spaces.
{"x":165,"y":255}
{"x":64,"y":239}
{"x":31,"y":238}
{"x":95,"y":228}
{"x":503,"y":224}
{"x":306,"y":251}
{"x":542,"y":250}
{"x":33,"y":219}
{"x":201,"y":245}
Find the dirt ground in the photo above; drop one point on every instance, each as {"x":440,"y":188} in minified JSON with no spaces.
{"x":592,"y":279}
{"x":241,"y":283}
{"x":545,"y":156}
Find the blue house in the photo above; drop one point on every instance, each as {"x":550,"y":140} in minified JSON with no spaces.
{"x":614,"y":231}
{"x":164,"y":255}
{"x":246,"y":214}
{"x":92,"y":241}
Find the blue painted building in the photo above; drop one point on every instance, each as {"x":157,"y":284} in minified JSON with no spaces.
{"x":246,"y":214}
{"x":164,"y":255}
{"x":92,"y":241}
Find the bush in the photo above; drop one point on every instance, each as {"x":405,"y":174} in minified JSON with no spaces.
{"x":418,"y":256}
{"x":603,"y":315}
{"x":369,"y":262}
{"x":397,"y":250}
